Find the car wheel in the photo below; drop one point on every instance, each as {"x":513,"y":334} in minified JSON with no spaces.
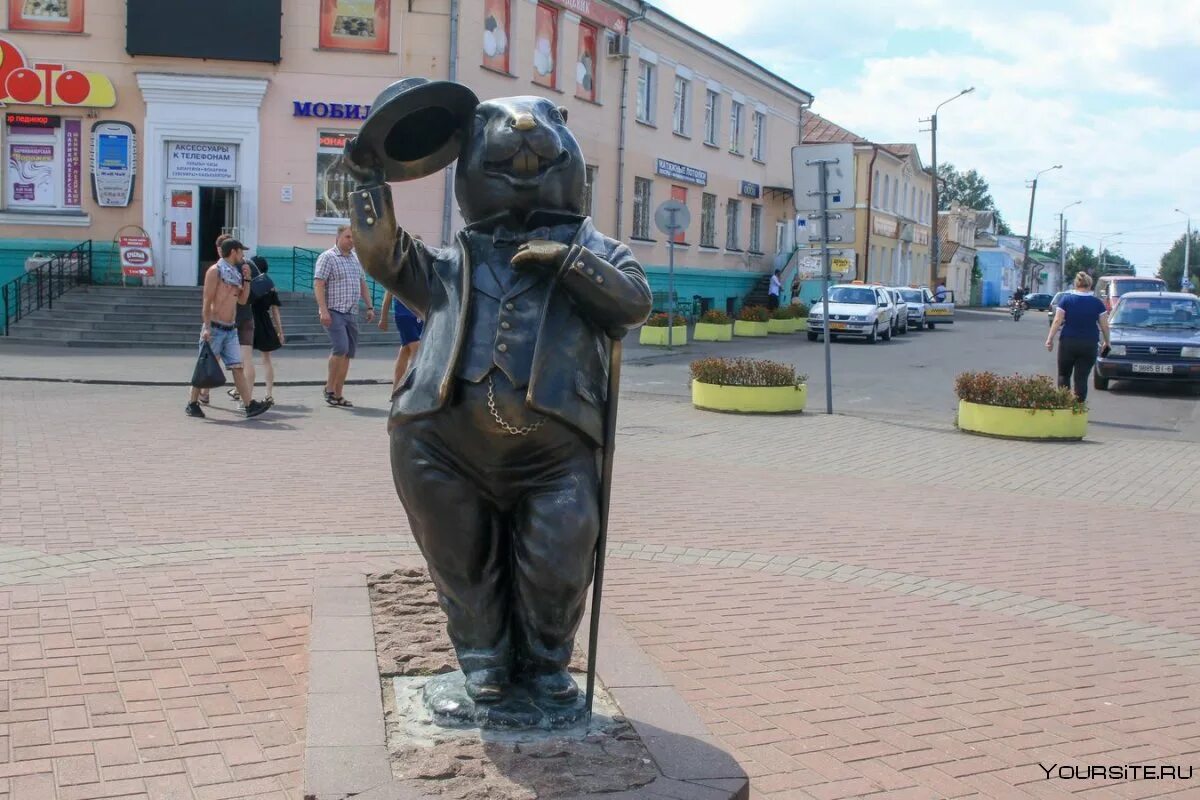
{"x":929,"y":325}
{"x":832,"y":337}
{"x":1099,"y":381}
{"x":874,"y":337}
{"x":887,"y":335}
{"x":904,"y":327}
{"x":812,"y":337}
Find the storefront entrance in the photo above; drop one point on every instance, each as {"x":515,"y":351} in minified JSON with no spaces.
{"x":196,"y":216}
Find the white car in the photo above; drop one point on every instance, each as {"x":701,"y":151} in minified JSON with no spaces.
{"x":899,"y":311}
{"x":855,"y":309}
{"x":916,"y":305}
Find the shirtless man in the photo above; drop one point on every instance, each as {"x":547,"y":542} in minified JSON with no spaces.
{"x":226,"y":285}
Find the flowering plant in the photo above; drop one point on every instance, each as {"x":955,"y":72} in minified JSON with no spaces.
{"x":714,"y":317}
{"x":660,"y":320}
{"x":783,"y":312}
{"x":799,"y":310}
{"x":1032,"y":392}
{"x":745,"y":372}
{"x":754,"y":314}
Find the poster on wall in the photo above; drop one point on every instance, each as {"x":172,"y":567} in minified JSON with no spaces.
{"x":355,"y":25}
{"x":203,"y":162}
{"x":180,"y":216}
{"x":73,"y":156}
{"x":33,"y":174}
{"x":495,"y":34}
{"x":59,"y":16}
{"x":114,"y":163}
{"x":585,"y":67}
{"x":545,"y":46}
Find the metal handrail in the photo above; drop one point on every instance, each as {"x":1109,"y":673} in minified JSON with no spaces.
{"x":39,"y":287}
{"x":304,"y":264}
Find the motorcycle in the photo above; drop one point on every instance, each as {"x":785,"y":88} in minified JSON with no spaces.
{"x":1016,"y":308}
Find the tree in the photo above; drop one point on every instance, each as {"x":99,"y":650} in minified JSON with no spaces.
{"x":969,"y":189}
{"x":1080,"y":258}
{"x":1170,"y":267}
{"x":1114,"y":264}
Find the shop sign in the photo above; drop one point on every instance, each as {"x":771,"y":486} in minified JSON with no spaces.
{"x":42,"y":121}
{"x":596,"y":12}
{"x":884,"y":226}
{"x":202,"y":161}
{"x":322,"y":110}
{"x":681,"y":172}
{"x":750,"y":189}
{"x":136,"y":256}
{"x":73,"y":151}
{"x":50,"y":84}
{"x":335,"y":140}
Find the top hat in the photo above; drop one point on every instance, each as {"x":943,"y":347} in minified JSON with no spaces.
{"x":415,"y":128}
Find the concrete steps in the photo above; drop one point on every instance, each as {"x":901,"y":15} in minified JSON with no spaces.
{"x":111,"y":316}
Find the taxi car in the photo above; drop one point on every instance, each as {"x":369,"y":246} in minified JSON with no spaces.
{"x":916,"y":302}
{"x":1155,"y":337}
{"x":938,"y":312}
{"x":855,"y":309}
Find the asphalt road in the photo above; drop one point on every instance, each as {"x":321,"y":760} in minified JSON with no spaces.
{"x":912,"y":377}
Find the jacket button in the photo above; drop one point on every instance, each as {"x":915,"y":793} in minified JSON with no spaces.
{"x":370,"y":220}
{"x":503,"y":348}
{"x":578,"y":265}
{"x":599,"y":279}
{"x":509,"y":306}
{"x":505,"y":325}
{"x":591,"y":271}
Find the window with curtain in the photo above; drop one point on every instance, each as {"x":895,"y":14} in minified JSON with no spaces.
{"x":645,"y":92}
{"x":733,"y":210}
{"x":708,"y":220}
{"x":712,"y":118}
{"x":641,"y":208}
{"x":683,"y":105}
{"x":736,"y":110}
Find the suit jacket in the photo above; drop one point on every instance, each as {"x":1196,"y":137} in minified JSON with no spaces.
{"x":599,"y":292}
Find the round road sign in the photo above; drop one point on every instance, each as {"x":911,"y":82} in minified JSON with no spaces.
{"x":672,"y":217}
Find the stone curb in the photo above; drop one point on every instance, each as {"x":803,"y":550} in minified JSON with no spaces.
{"x":105,"y":382}
{"x":346,"y":754}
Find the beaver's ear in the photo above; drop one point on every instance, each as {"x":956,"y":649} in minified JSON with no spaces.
{"x":563,"y":110}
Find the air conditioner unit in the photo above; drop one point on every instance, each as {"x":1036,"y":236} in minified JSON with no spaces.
{"x":618,"y":45}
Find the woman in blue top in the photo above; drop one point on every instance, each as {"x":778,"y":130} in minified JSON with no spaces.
{"x":410,"y":327}
{"x":1083,"y":320}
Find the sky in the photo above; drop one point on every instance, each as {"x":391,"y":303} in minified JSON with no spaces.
{"x":1109,"y":89}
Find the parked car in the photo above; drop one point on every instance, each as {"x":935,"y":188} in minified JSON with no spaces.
{"x":1039,"y":301}
{"x":915,"y":299}
{"x":938,"y":313}
{"x":1110,"y":288}
{"x":1155,"y":337}
{"x":1054,"y":307}
{"x":855,"y":309}
{"x":899,"y":311}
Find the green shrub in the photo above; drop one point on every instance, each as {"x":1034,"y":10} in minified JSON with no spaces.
{"x":745,"y":372}
{"x":1033,"y":392}
{"x":754,"y":314}
{"x":783,"y":312}
{"x":660,"y":321}
{"x":799,"y":310}
{"x":714,"y":317}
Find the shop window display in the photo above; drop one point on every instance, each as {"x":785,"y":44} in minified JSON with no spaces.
{"x":334,"y":184}
{"x":355,"y":25}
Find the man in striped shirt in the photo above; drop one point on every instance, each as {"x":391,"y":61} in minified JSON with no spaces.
{"x":338,"y":283}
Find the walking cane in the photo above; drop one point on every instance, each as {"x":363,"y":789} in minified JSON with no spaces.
{"x":610,"y":446}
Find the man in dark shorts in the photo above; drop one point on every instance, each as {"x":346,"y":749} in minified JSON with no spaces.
{"x":410,"y":328}
{"x":338,"y":284}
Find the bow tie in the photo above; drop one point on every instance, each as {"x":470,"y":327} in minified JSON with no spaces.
{"x":503,"y":236}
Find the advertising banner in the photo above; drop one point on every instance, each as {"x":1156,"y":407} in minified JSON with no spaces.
{"x":202,"y":162}
{"x":32,"y":176}
{"x":136,"y":256}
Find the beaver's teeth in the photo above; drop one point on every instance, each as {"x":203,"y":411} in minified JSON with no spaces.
{"x":525,"y":163}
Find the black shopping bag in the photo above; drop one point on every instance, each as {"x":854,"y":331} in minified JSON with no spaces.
{"x":207,"y":374}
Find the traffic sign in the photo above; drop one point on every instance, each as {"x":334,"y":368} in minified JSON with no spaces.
{"x":806,"y":180}
{"x":841,"y":228}
{"x":671,"y":217}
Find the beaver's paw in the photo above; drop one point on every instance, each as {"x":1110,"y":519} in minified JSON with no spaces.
{"x":540,"y":254}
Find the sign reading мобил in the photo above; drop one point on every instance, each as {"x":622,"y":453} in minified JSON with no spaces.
{"x":322,"y":110}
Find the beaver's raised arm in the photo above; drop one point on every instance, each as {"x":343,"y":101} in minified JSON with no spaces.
{"x":388,"y":253}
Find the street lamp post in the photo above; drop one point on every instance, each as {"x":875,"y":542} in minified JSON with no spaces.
{"x":935,"y":243}
{"x":1100,"y":253}
{"x":1185,"y":278}
{"x":1062,"y":245}
{"x":1029,"y":226}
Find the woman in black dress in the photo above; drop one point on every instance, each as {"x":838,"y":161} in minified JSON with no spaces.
{"x":268,"y":328}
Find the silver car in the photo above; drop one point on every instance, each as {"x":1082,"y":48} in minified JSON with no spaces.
{"x":916,"y":302}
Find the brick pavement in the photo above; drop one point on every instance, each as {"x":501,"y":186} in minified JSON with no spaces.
{"x":847,"y":625}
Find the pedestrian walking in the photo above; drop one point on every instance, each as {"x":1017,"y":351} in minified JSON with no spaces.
{"x":410,"y":327}
{"x":224,"y":237}
{"x":339,"y":284}
{"x":226,"y":285}
{"x":268,"y":327}
{"x":1083,"y":320}
{"x":773,"y":291}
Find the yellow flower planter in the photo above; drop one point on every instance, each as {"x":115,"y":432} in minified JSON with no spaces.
{"x":750,"y":399}
{"x":781,"y":326}
{"x":658,"y":336}
{"x":801,"y":324}
{"x":712,"y":332}
{"x":743,"y":328}
{"x":1020,"y":423}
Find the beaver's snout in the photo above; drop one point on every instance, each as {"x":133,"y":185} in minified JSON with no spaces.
{"x":521,"y":148}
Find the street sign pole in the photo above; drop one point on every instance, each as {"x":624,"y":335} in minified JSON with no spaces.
{"x":823,"y":178}
{"x":673,"y":227}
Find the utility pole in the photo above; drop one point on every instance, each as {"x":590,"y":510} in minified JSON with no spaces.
{"x":1062,"y":246}
{"x":935,"y":244}
{"x":1029,"y":227}
{"x":1185,"y":279}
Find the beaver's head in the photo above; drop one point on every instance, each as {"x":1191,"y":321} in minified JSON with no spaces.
{"x":519,"y":156}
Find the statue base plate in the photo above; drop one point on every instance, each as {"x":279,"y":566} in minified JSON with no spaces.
{"x":446,"y":698}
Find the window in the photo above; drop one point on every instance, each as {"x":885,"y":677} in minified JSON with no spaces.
{"x":873,"y":265}
{"x":589,"y":189}
{"x":758,"y":145}
{"x":887,"y":189}
{"x":60,"y":16}
{"x":875,"y":191}
{"x":683,"y":105}
{"x":355,"y":25}
{"x":708,"y":220}
{"x":334,"y":185}
{"x":712,"y":116}
{"x":44,"y":155}
{"x":755,"y":228}
{"x":585,"y":67}
{"x":733,"y":209}
{"x":641,"y":208}
{"x":735,"y":127}
{"x":495,"y":34}
{"x":645,"y":95}
{"x":545,"y":46}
